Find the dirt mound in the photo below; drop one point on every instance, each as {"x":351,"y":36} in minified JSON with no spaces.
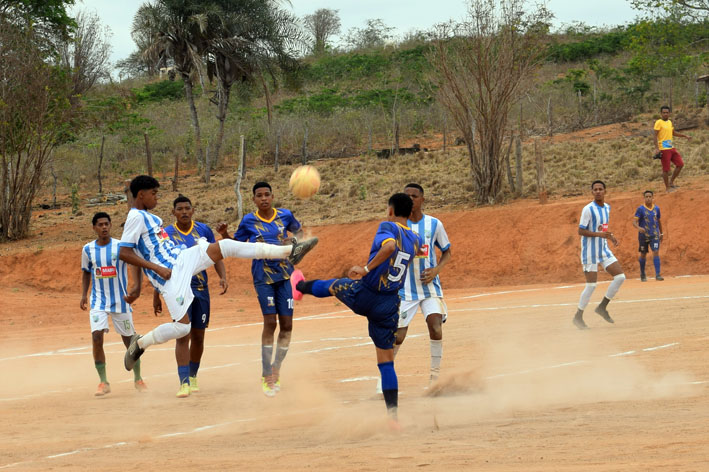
{"x":520,"y":243}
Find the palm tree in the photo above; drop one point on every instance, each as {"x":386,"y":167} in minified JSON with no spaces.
{"x":248,"y":41}
{"x":176,"y":30}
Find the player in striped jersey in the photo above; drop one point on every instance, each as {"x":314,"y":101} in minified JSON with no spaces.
{"x":594,"y":232}
{"x":108,"y":277}
{"x":185,"y":232}
{"x":170,"y":268}
{"x":422,"y":287}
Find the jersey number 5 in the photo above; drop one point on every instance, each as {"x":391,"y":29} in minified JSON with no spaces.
{"x":400,"y":263}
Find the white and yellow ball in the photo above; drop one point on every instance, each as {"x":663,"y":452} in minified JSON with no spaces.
{"x":304,"y":181}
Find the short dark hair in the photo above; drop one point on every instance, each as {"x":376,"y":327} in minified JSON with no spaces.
{"x":598,"y":182}
{"x":181,"y":199}
{"x":261,"y":184}
{"x":648,"y":191}
{"x":98,"y":216}
{"x":416,"y":186}
{"x":402,"y":204}
{"x":665,"y":107}
{"x":143,"y":182}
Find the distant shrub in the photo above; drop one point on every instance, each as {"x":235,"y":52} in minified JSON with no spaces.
{"x":158,"y":91}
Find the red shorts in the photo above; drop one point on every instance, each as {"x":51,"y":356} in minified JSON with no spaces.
{"x":671,"y":155}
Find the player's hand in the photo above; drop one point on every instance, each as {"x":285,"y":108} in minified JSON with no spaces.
{"x":224,"y":285}
{"x":356,"y":271}
{"x":164,"y":272}
{"x":429,"y":274}
{"x":222,"y":230}
{"x":612,"y":238}
{"x":157,"y":305}
{"x":643,"y":230}
{"x":130,"y":297}
{"x":82,"y":303}
{"x":661,"y":237}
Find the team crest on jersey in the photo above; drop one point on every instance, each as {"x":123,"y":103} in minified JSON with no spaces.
{"x":180,"y":300}
{"x":271,"y":302}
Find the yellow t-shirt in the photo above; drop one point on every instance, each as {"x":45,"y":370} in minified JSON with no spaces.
{"x":664,"y":137}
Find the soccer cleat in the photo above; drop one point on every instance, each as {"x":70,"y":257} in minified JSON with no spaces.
{"x":140,"y":386}
{"x":659,"y":278}
{"x":194,"y":387}
{"x":133,"y":352}
{"x":295,"y":277}
{"x":604,"y":314}
{"x":267,"y":386}
{"x":643,"y":278}
{"x":579,"y":323}
{"x":103,"y":389}
{"x":276,"y":379}
{"x":184,"y":391}
{"x":300,"y":249}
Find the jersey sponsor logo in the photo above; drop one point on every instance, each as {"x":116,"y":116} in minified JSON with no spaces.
{"x":603,"y":227}
{"x":271,"y":302}
{"x":667,"y":144}
{"x":106,"y":272}
{"x":423,"y":251}
{"x":163,"y":234}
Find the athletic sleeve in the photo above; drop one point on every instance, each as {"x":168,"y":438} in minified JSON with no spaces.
{"x":585,"y":218}
{"x":85,"y":260}
{"x":242,"y":232}
{"x":657,"y":126}
{"x":293,"y":224}
{"x":133,"y":228}
{"x":658,"y":212}
{"x":208,"y":234}
{"x":385,"y":232}
{"x":441,"y":237}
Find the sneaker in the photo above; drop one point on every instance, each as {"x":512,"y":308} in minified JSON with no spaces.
{"x":194,"y":387}
{"x":267,"y":386}
{"x":579,"y":323}
{"x":103,"y":389}
{"x":643,"y":278}
{"x":604,"y":314}
{"x":300,"y":249}
{"x":379,"y":386}
{"x":295,"y":277}
{"x":659,"y":277}
{"x":276,"y":379}
{"x":184,"y":391}
{"x":140,"y":386}
{"x":133,"y":352}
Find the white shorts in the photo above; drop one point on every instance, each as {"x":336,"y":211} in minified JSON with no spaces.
{"x":177,"y":291}
{"x":594,"y":267}
{"x":408,"y":308}
{"x":122,"y":322}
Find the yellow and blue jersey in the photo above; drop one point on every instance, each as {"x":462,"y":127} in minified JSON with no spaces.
{"x":187,"y":239}
{"x":649,"y":219}
{"x":389,"y":276}
{"x":255,"y":229}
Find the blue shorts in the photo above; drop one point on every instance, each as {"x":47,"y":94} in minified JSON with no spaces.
{"x":380,"y":308}
{"x":645,"y":244}
{"x":199,"y":310}
{"x":275,"y":298}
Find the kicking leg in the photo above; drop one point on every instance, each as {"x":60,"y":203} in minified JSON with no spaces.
{"x":161,"y":334}
{"x":137,"y":378}
{"x":316,"y":288}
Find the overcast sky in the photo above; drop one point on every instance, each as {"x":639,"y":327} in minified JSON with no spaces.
{"x":404,"y":15}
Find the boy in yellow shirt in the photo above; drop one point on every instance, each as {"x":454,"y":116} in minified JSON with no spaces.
{"x":664,"y":132}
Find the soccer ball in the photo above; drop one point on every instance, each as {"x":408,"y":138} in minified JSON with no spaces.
{"x":304,"y":182}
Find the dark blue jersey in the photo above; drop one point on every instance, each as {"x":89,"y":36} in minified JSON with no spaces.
{"x":189,"y":239}
{"x":389,"y":276}
{"x":649,"y":219}
{"x":255,"y":229}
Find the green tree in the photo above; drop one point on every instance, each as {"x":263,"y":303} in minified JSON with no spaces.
{"x":321,"y":25}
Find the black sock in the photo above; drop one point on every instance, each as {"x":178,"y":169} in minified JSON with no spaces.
{"x":305,"y":286}
{"x":391,"y":398}
{"x":604,"y":302}
{"x":579,"y":313}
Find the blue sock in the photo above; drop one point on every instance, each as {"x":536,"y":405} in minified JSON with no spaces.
{"x":183,"y":371}
{"x":390,"y":384}
{"x":194,"y":367}
{"x":656,"y":261}
{"x":317,"y":288}
{"x":642,"y":265}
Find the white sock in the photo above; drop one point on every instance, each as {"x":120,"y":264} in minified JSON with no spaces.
{"x":164,"y":333}
{"x":231,"y":248}
{"x":615,"y":286}
{"x":586,"y":295}
{"x":436,"y":355}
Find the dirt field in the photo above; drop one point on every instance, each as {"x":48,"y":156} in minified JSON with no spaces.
{"x":522,"y":388}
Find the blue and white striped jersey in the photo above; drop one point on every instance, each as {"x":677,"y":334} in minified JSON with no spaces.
{"x":109,"y":276}
{"x":434,"y":235}
{"x":595,"y":218}
{"x":144,"y":233}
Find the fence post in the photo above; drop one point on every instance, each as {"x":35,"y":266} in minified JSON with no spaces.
{"x":241,"y":173}
{"x":147,"y":154}
{"x":541,"y":184}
